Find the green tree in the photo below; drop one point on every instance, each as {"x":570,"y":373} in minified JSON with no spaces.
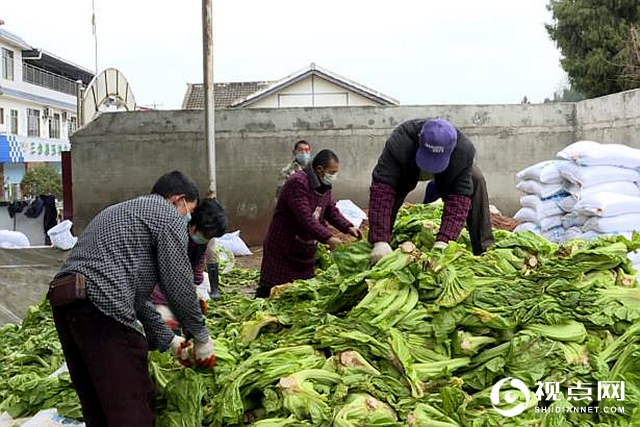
{"x":595,"y":40}
{"x":41,"y":180}
{"x":565,"y":93}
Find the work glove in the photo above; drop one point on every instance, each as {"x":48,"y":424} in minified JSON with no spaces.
{"x":179,"y":348}
{"x":214,"y":280}
{"x":205,"y":354}
{"x":190,"y":354}
{"x":380,"y":250}
{"x":440,"y":245}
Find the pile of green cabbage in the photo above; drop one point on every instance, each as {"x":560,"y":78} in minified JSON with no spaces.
{"x":420,"y":339}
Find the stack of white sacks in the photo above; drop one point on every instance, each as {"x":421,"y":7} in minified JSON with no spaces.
{"x":589,"y":190}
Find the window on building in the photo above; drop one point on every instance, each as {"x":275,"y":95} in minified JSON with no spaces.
{"x":1,"y":116}
{"x":72,"y":125}
{"x":7,"y":64}
{"x":14,"y":122}
{"x":33,"y":122}
{"x":54,"y":126}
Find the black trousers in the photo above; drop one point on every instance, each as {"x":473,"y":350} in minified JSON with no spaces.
{"x":108,"y":366}
{"x":479,"y":218}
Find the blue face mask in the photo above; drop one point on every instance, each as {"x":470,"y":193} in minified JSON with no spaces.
{"x":198,"y":239}
{"x":303,"y":158}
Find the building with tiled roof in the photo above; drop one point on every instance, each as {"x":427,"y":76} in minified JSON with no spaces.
{"x":310,"y":87}
{"x":224,"y":94}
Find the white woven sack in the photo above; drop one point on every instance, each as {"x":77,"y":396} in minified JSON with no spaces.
{"x":550,"y":222}
{"x":607,"y":204}
{"x":590,"y":153}
{"x":613,"y":224}
{"x":589,"y":176}
{"x":545,"y":191}
{"x":574,"y":219}
{"x":620,"y":187}
{"x":543,"y":208}
{"x":528,"y":226}
{"x":526,"y":215}
{"x":545,"y":172}
{"x":555,"y":234}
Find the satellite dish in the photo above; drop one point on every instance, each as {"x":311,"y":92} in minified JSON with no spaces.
{"x":108,"y":91}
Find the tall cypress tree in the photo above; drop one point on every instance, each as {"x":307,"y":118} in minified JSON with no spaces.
{"x":596,"y":43}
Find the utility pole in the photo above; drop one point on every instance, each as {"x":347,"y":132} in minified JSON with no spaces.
{"x":209,"y":106}
{"x":209,"y":132}
{"x":95,"y":34}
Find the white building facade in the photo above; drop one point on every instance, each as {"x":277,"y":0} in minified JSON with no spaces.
{"x":37,"y":107}
{"x":312,"y":86}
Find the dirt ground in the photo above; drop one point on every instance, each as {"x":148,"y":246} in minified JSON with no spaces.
{"x":250,"y":261}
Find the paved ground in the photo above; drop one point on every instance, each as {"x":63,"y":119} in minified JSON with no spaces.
{"x":24,"y":276}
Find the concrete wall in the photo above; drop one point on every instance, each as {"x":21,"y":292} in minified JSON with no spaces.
{"x":120,"y":155}
{"x":612,"y":119}
{"x":33,"y":228}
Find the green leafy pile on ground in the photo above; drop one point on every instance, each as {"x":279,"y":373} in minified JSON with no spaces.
{"x":420,"y":339}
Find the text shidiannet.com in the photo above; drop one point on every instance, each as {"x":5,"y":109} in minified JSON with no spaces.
{"x":582,"y":392}
{"x":583,"y":410}
{"x":581,"y":398}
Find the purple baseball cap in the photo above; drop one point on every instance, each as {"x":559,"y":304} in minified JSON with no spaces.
{"x":438,"y":139}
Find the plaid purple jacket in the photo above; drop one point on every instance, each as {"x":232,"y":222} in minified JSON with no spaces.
{"x":299,"y":222}
{"x":381,"y":206}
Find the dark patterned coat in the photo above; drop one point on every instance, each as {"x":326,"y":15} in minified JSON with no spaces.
{"x":300,"y":221}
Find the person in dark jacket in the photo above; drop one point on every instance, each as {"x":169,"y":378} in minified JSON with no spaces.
{"x":429,"y":149}
{"x":208,"y":221}
{"x":300,"y":221}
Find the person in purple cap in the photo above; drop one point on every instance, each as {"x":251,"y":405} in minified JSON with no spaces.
{"x":429,"y":149}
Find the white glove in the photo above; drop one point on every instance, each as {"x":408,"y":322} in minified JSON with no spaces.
{"x":440,"y":245}
{"x":205,"y":353}
{"x":178,"y":349}
{"x":380,"y":250}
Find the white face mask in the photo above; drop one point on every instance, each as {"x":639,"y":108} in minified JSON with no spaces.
{"x":187,"y":216}
{"x":329,"y":179}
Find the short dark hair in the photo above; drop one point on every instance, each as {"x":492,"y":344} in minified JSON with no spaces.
{"x":176,"y":182}
{"x":299,"y":143}
{"x":323,"y":158}
{"x":209,"y":218}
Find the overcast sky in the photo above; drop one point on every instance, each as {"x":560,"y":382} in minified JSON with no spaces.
{"x":419,"y":52}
